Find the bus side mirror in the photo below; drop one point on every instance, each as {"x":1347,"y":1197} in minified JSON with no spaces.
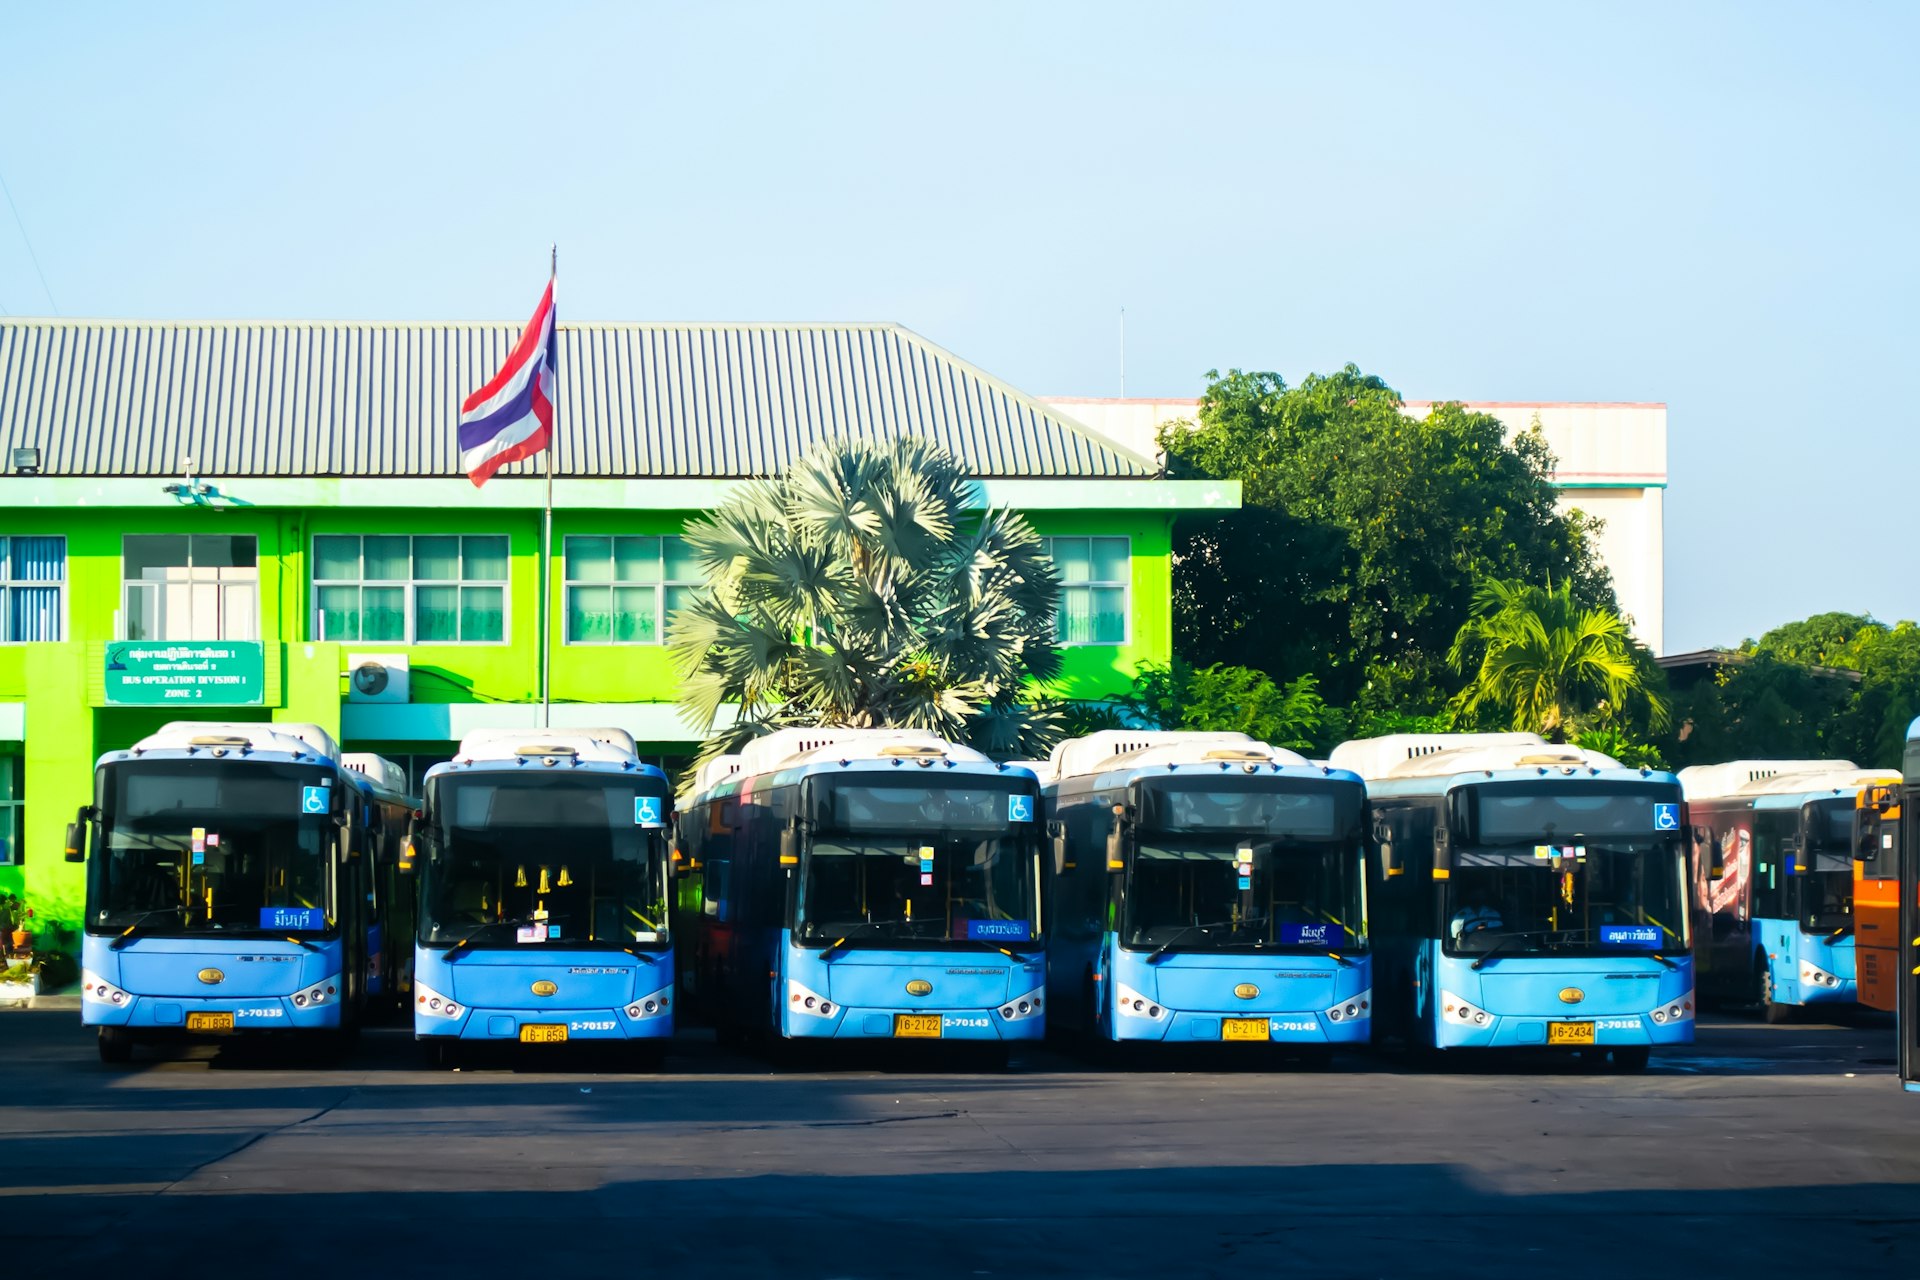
{"x":1389,"y":856}
{"x":77,"y":839}
{"x":790,"y":847}
{"x":1866,"y":835}
{"x":409,"y":849}
{"x":1117,"y":840}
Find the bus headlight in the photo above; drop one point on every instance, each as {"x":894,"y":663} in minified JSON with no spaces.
{"x":1812,"y":975}
{"x":805,"y":1000}
{"x":320,"y":993}
{"x":1353,"y":1008}
{"x":98,"y":992}
{"x":651,"y":1006}
{"x":1022,"y":1007}
{"x":1458,"y":1012}
{"x":1680,"y":1010}
{"x":430,"y":1002}
{"x":1134,"y":1005}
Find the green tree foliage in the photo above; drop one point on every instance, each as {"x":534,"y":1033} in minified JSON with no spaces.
{"x":1835,"y":685}
{"x":1222,"y":698}
{"x":1363,"y":531}
{"x":1825,"y":640}
{"x":1612,"y":742}
{"x":1543,"y":661}
{"x":1757,"y":707}
{"x":866,"y":588}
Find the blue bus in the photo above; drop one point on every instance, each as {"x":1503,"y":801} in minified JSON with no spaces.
{"x":869,"y":884}
{"x":229,"y":886}
{"x":386,"y":811}
{"x":1525,"y":896}
{"x":1206,"y":888}
{"x":1773,"y":880}
{"x":543,"y":872}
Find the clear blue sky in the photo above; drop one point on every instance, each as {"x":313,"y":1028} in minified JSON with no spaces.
{"x":1709,"y":205}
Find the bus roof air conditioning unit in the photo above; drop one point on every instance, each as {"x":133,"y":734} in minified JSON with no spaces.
{"x":377,"y":677}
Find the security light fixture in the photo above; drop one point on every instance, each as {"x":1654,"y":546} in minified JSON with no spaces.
{"x":26,"y":462}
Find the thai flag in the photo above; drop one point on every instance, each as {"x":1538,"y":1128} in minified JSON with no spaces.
{"x":512,"y":416}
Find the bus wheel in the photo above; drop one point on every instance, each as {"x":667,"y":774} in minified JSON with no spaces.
{"x":116,"y":1046}
{"x":1631,"y":1057}
{"x":1775,"y":1014}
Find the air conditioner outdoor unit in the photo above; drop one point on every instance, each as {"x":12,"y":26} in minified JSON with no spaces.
{"x":377,"y":677}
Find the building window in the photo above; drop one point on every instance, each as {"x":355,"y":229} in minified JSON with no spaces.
{"x":202,"y":586}
{"x":33,"y":576}
{"x":622,"y":589}
{"x":410,"y":589}
{"x":1095,"y":576}
{"x":12,"y":821}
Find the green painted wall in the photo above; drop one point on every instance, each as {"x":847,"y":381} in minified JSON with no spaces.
{"x":65,"y":734}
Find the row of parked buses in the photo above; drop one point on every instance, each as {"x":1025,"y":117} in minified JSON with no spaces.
{"x":1446,"y":891}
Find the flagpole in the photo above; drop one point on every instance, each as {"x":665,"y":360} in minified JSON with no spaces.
{"x":546,"y":526}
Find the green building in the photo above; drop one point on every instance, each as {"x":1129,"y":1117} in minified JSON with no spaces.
{"x":268,"y":521}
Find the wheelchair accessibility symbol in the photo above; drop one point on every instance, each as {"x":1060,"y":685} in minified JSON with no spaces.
{"x":313,"y":799}
{"x":1666,"y":817}
{"x":1019,"y":808}
{"x":646,"y":812}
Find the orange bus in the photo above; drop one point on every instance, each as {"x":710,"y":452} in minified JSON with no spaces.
{"x":1877,"y":854}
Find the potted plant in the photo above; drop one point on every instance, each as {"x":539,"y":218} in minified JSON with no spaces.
{"x":20,"y":982}
{"x":14,"y":915}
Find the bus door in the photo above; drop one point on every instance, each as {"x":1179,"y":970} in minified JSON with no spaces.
{"x":1877,"y":856}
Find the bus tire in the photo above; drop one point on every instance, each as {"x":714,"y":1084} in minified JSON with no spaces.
{"x":1632,"y":1057}
{"x":116,"y":1046}
{"x":1776,"y":1014}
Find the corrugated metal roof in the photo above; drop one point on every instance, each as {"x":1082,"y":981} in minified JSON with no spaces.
{"x":292,"y":398}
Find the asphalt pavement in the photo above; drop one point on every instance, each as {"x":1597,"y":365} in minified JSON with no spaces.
{"x":1789,"y":1147}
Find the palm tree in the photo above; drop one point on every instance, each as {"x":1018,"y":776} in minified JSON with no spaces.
{"x":867,"y":588}
{"x":1550,"y":664}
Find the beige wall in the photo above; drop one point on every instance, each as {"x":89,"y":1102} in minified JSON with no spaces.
{"x":1611,"y":462}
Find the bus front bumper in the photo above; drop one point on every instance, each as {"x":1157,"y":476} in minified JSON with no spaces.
{"x":316,"y":1008}
{"x":648,"y":1017}
{"x":1465,"y":1026}
{"x":1004,"y":1023}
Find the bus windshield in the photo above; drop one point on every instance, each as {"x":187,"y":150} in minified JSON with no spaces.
{"x":195,"y":845}
{"x":1621,"y":895}
{"x":525,"y":860}
{"x":1826,"y":868}
{"x":1210,"y":893}
{"x":921,"y":862}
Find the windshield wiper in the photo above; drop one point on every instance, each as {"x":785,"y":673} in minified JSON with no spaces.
{"x":859,"y":926}
{"x":133,"y":930}
{"x":460,"y":948}
{"x":1498,"y":947}
{"x":1234,"y":925}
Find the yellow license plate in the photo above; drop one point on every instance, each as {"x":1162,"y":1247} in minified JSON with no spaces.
{"x":1245,"y":1029}
{"x":1569,"y":1033}
{"x":917,"y":1026}
{"x":210,"y":1022}
{"x":543,"y":1033}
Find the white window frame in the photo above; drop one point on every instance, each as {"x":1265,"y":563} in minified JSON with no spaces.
{"x":8,"y":583}
{"x":10,"y":856}
{"x":220,"y":608}
{"x":1125,"y":585}
{"x":662,"y":585}
{"x":409,"y":586}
